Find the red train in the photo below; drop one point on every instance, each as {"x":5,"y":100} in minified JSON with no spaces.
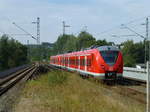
{"x":105,"y":62}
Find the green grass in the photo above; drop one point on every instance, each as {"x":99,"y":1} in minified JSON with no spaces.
{"x":60,"y":91}
{"x":57,"y":77}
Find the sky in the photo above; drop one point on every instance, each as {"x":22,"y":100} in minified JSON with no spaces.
{"x":101,"y":18}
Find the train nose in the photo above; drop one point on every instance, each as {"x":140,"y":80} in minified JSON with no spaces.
{"x":110,"y":75}
{"x":110,"y":69}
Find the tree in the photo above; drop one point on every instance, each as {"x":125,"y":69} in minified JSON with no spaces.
{"x":103,"y":42}
{"x":12,"y":53}
{"x":85,"y":40}
{"x":65,"y":43}
{"x":133,"y":53}
{"x":4,"y":52}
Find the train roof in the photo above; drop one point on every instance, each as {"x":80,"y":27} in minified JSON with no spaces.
{"x":105,"y":48}
{"x":101,"y":48}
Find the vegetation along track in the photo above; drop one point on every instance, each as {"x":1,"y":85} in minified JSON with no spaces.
{"x":10,"y":81}
{"x":135,"y":92}
{"x":133,"y":89}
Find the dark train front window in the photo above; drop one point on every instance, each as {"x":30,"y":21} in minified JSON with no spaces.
{"x":110,"y":57}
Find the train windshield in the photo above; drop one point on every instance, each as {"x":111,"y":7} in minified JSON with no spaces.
{"x":110,"y":57}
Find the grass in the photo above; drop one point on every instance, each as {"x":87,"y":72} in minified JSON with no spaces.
{"x":60,"y":91}
{"x":57,"y":77}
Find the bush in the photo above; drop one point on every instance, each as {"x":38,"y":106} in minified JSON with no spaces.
{"x":57,"y":77}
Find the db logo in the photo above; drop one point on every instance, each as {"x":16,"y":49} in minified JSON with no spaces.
{"x":111,"y":69}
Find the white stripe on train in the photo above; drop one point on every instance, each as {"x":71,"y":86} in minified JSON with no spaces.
{"x":100,"y":75}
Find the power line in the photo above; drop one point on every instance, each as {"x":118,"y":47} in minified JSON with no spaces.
{"x":132,"y":31}
{"x":19,"y":34}
{"x":136,"y":20}
{"x":24,"y":31}
{"x":118,"y":26}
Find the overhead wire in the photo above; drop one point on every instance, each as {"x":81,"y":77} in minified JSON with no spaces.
{"x":118,"y":26}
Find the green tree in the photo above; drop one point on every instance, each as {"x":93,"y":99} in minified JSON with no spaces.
{"x":4,"y":52}
{"x":65,"y":43}
{"x":85,"y":40}
{"x":133,"y":53}
{"x":12,"y":53}
{"x":103,"y":42}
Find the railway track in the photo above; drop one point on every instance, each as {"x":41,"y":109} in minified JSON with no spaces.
{"x":135,"y":90}
{"x":128,"y":88}
{"x":10,"y":81}
{"x":130,"y":92}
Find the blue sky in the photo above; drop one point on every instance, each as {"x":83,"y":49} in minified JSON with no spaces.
{"x":97,"y":15}
{"x":70,"y":1}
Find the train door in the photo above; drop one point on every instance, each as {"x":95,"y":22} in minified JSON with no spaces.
{"x":63,"y":58}
{"x":89,"y":63}
{"x":85,"y":63}
{"x":82,"y":62}
{"x":71,"y":62}
{"x":60,"y":60}
{"x":76,"y":62}
{"x":68,"y":60}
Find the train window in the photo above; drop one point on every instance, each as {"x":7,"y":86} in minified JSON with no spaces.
{"x":77,"y":62}
{"x":73,"y":62}
{"x":109,"y":57}
{"x":65,"y":61}
{"x":82,"y":62}
{"x":88,"y":62}
{"x":70,"y":61}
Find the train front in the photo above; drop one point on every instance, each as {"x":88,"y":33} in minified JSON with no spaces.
{"x":111,"y":62}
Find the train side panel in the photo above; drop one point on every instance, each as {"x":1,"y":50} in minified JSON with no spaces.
{"x":89,"y":62}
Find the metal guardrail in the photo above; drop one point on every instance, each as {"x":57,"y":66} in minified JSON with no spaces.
{"x":11,"y":71}
{"x":135,"y":73}
{"x":134,"y":69}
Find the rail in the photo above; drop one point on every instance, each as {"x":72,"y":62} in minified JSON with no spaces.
{"x":12,"y":80}
{"x":6,"y":73}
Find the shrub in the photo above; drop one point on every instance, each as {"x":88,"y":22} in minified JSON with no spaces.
{"x":57,"y":77}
